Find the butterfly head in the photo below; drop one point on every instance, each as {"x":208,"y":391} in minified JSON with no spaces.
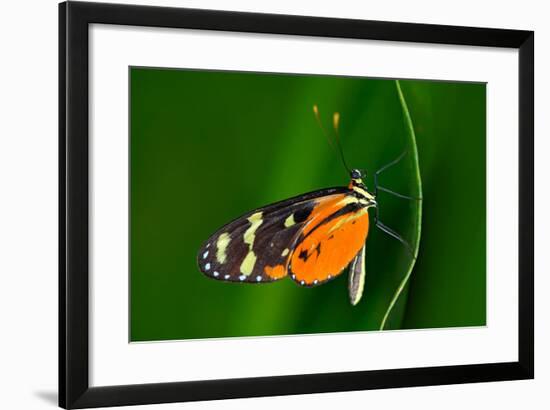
{"x":357,"y":176}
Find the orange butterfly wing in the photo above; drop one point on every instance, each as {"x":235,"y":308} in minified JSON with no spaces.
{"x":335,"y":233}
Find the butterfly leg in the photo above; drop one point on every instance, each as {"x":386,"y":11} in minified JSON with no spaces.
{"x":387,"y":230}
{"x":385,"y":167}
{"x":389,"y":191}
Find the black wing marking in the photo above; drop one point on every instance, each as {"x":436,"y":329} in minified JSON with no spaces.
{"x":261,"y":239}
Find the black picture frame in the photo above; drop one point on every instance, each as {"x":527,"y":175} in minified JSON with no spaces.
{"x":74,"y":20}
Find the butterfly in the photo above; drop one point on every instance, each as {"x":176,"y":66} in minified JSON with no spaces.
{"x":310,"y":238}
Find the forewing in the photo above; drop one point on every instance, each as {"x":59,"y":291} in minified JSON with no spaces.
{"x":329,"y":243}
{"x":256,"y":247}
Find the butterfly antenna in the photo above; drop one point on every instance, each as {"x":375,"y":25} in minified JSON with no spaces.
{"x":337,"y":150}
{"x":318,"y":119}
{"x":336,"y":124}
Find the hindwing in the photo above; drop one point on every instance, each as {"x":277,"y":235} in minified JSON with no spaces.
{"x":329,"y":242}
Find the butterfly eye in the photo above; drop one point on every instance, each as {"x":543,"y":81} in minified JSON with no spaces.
{"x":356,"y":174}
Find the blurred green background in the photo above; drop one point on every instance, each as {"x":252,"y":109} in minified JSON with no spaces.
{"x":208,"y":146}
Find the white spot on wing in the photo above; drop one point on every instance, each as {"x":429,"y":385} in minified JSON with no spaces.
{"x":216,"y":274}
{"x":207,"y":266}
{"x":242,"y":277}
{"x":226,"y":277}
{"x":204,"y":255}
{"x":258,"y":278}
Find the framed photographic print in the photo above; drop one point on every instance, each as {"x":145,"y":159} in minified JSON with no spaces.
{"x":255,"y":204}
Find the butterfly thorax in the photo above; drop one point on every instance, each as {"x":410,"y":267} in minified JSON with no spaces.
{"x":361,"y":192}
